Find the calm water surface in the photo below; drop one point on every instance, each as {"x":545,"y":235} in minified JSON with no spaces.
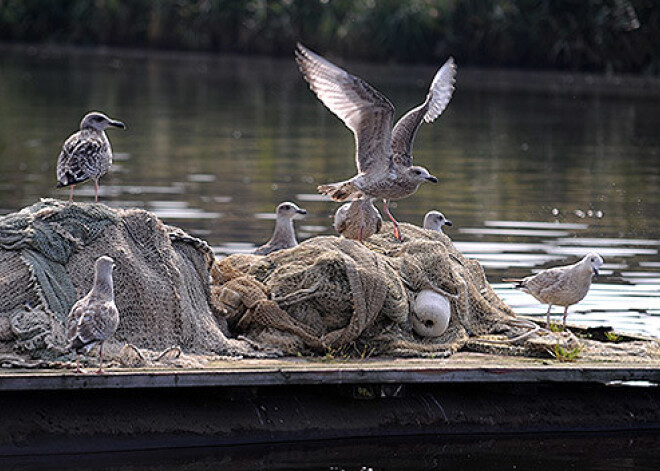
{"x":534,"y":171}
{"x":621,"y":452}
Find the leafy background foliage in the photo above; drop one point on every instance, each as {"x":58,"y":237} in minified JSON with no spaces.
{"x":612,"y":36}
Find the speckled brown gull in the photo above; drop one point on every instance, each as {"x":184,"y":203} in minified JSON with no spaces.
{"x":358,"y":220}
{"x":94,"y":318}
{"x":562,"y":286}
{"x":434,"y":220}
{"x":383,"y":155}
{"x":284,"y":236}
{"x":86,"y":154}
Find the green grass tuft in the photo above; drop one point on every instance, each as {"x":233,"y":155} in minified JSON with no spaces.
{"x":564,"y":355}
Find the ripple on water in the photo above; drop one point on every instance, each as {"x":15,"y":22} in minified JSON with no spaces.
{"x":231,"y":248}
{"x":649,"y":264}
{"x":201,"y":178}
{"x":514,"y":232}
{"x":120,"y":157}
{"x":179,"y":210}
{"x":174,"y":189}
{"x":604,"y":252}
{"x":498,"y":247}
{"x":606,"y":242}
{"x":512,"y":259}
{"x":537,"y":224}
{"x":265,"y":215}
{"x":186,"y":214}
{"x":642,"y":278}
{"x":312,"y":197}
{"x":314,"y":230}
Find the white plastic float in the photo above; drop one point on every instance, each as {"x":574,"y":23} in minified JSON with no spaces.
{"x":431,"y":313}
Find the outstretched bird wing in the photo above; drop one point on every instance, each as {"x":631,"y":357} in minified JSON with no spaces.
{"x":440,"y":92}
{"x":362,"y":108}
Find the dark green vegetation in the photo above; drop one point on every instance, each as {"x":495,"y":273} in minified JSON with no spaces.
{"x":594,"y":35}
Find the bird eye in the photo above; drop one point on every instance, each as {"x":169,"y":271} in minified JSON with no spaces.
{"x":417,"y":172}
{"x":286,"y":206}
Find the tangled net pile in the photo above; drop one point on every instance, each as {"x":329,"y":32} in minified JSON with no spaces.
{"x":329,"y":293}
{"x":47,"y":255}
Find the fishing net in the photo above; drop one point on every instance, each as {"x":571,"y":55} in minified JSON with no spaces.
{"x":329,"y":294}
{"x":47,"y":256}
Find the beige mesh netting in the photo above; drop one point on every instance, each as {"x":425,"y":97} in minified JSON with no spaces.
{"x":47,"y":255}
{"x":329,"y":293}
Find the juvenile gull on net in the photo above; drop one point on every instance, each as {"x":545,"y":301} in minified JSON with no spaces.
{"x":562,"y":286}
{"x":284,"y":236}
{"x":86,"y":154}
{"x":94,"y":318}
{"x":434,"y":220}
{"x":383,"y":155}
{"x":358,"y":220}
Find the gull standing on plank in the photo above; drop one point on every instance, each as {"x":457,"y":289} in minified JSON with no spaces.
{"x":434,"y":220}
{"x":383,"y":155}
{"x":562,"y":286}
{"x":94,"y":318}
{"x":358,"y":220}
{"x":284,"y":236}
{"x":87,"y":153}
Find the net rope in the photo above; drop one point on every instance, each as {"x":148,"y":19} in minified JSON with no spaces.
{"x":161,"y":279}
{"x":179,"y":305}
{"x":331,"y":292}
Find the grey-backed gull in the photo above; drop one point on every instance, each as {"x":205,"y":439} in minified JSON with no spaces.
{"x":434,"y":220}
{"x":94,"y":318}
{"x":562,"y":286}
{"x":284,"y":236}
{"x":86,"y":154}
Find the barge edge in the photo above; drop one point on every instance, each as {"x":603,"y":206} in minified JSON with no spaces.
{"x":251,"y":402}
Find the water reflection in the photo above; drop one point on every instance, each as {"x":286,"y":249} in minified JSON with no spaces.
{"x":602,"y":452}
{"x":530,"y":178}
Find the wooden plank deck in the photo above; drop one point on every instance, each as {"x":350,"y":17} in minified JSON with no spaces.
{"x":463,"y":367}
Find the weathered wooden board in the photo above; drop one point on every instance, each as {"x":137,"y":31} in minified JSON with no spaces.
{"x":464,"y":367}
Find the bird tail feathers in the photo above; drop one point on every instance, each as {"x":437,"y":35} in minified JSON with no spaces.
{"x":69,"y":179}
{"x":78,"y":345}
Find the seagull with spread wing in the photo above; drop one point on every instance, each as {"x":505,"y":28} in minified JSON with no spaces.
{"x":383,"y":154}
